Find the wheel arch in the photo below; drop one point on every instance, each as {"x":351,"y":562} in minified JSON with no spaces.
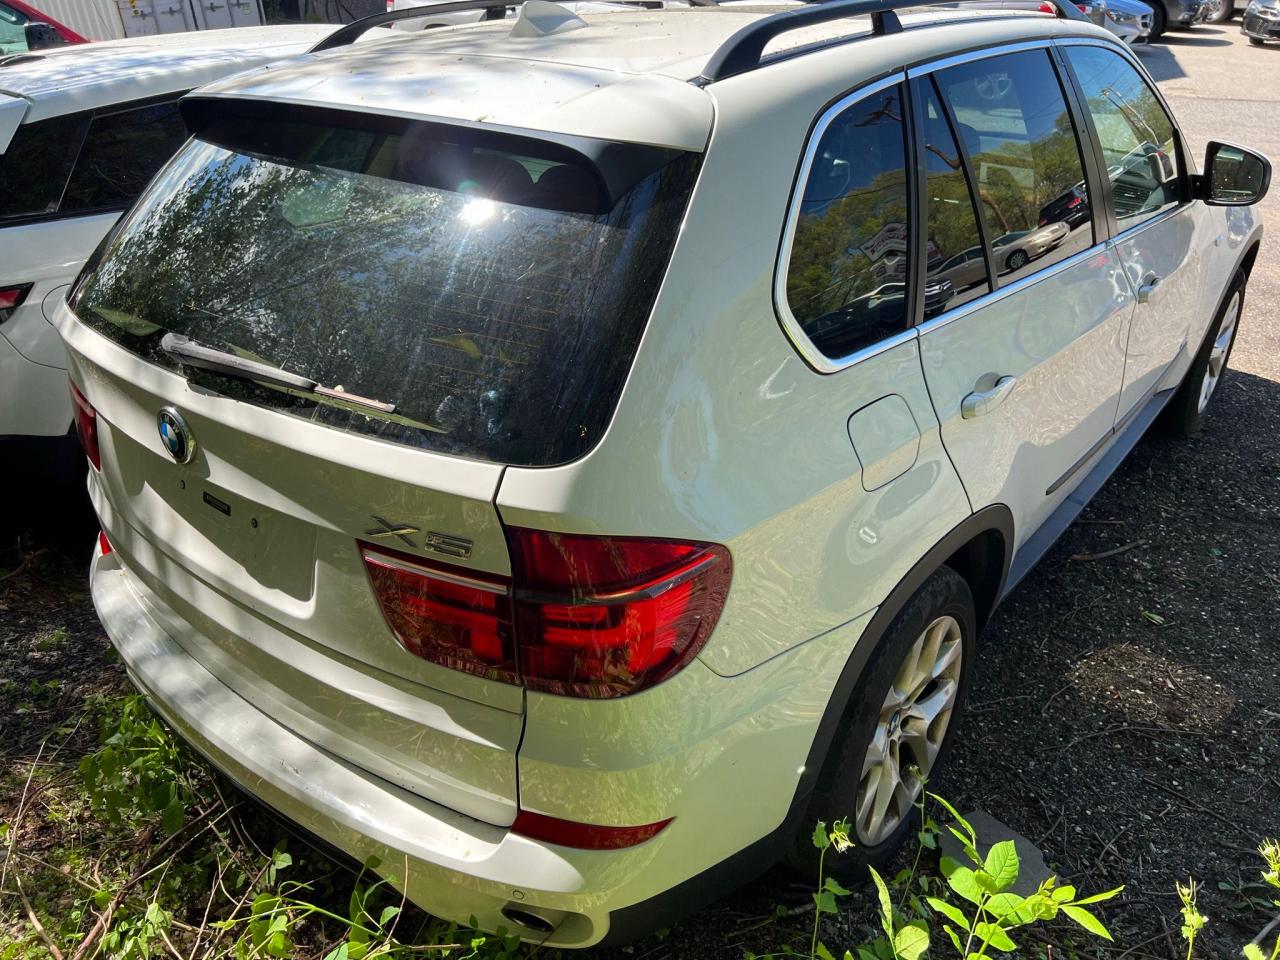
{"x":979,"y":549}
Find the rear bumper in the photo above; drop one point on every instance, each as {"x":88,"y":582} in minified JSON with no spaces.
{"x":453,"y":866}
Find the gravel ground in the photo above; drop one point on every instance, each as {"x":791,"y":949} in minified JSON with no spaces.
{"x":1126,"y":710}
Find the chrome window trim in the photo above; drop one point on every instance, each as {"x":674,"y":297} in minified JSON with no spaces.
{"x":1128,"y":232}
{"x":1016,"y":287}
{"x":818,"y":360}
{"x":933,"y":66}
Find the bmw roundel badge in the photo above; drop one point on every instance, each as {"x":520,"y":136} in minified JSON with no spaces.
{"x":176,"y":435}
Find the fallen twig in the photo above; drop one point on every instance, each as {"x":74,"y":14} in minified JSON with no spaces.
{"x":1262,"y":935}
{"x":26,"y":562}
{"x":35,"y":921}
{"x":1199,"y":806}
{"x":1114,"y":552}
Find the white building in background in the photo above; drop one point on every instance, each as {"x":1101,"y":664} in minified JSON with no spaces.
{"x":113,"y":19}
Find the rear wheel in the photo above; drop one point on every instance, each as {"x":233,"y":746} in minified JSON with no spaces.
{"x":1185,"y":414}
{"x":1218,"y":11}
{"x":898,"y":727}
{"x":1017,"y":260}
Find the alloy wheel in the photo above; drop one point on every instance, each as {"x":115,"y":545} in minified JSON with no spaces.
{"x":1218,"y":353}
{"x":912,"y":726}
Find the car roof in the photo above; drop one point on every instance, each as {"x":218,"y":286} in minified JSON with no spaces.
{"x":87,"y":76}
{"x":624,"y":76}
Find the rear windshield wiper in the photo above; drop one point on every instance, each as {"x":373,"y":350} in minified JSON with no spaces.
{"x":195,"y":354}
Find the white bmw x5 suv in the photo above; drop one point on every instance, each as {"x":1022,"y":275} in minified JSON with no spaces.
{"x":569,"y":457}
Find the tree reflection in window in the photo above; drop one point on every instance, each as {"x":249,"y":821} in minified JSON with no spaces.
{"x":846,"y":276}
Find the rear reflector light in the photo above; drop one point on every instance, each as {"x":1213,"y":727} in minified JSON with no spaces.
{"x":583,"y":836}
{"x":103,"y":543}
{"x":11,"y":299}
{"x":86,"y":425}
{"x":582,"y":616}
{"x":443,"y":614}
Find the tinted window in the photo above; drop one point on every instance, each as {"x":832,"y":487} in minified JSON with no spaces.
{"x":121,"y":154}
{"x":495,"y":295}
{"x":1012,"y":115}
{"x":956,"y":271}
{"x":13,"y":38}
{"x":846,"y":275}
{"x":1135,"y":133}
{"x":34,"y":168}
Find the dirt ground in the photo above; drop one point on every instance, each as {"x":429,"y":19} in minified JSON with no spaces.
{"x":1126,"y":709}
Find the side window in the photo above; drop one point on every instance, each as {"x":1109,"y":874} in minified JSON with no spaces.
{"x":13,"y":38}
{"x":847,"y":267}
{"x":121,"y":154}
{"x":956,"y":271}
{"x":1135,"y":133}
{"x":34,"y":168}
{"x":1012,"y":115}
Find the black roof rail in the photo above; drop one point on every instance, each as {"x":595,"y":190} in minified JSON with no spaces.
{"x":744,"y":51}
{"x":494,"y":10}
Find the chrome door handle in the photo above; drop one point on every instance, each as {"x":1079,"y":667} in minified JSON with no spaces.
{"x":982,"y":402}
{"x":1149,"y":284}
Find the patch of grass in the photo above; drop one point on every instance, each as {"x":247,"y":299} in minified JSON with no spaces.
{"x":136,"y":850}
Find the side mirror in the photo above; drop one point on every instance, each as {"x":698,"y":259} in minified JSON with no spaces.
{"x":41,"y":36}
{"x":1233,"y":176}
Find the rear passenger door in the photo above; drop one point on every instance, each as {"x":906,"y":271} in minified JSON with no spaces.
{"x":1024,"y":362}
{"x":1147,"y":203}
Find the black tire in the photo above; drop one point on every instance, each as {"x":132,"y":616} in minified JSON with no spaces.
{"x":1257,"y":41}
{"x":944,"y":593}
{"x":1183,"y":417}
{"x":1159,"y":21}
{"x":1017,"y":260}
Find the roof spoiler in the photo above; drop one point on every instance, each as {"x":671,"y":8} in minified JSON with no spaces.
{"x":744,"y":51}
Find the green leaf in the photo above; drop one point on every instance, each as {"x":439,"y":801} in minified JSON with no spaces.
{"x":1002,"y":864}
{"x":1253,"y":952}
{"x":952,"y":913}
{"x":173,"y":816}
{"x":1012,"y":907}
{"x":992,"y":934}
{"x":886,"y":904}
{"x":1087,"y":920}
{"x":820,"y":838}
{"x":825,"y":901}
{"x":388,"y":914}
{"x":834,"y":886}
{"x":1064,"y":894}
{"x":955,"y":938}
{"x":965,"y":883}
{"x":340,"y":952}
{"x":911,"y":942}
{"x":1099,"y":897}
{"x":973,"y":837}
{"x":824,"y":953}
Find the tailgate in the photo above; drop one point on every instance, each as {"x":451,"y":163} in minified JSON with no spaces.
{"x":248,"y":555}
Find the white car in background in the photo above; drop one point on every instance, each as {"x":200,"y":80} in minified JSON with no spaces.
{"x":82,"y":130}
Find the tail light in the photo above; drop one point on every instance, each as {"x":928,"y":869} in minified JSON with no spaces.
{"x":11,"y":299}
{"x":86,"y":425}
{"x":103,"y":543}
{"x":582,"y":616}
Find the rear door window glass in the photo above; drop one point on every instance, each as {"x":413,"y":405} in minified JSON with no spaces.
{"x":1136,"y":135}
{"x":956,"y":271}
{"x":492,"y":288}
{"x":121,"y":154}
{"x":847,"y":265}
{"x":34,"y":168}
{"x":1013,"y":117}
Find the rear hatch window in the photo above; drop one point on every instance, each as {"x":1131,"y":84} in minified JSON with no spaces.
{"x":487,"y":289}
